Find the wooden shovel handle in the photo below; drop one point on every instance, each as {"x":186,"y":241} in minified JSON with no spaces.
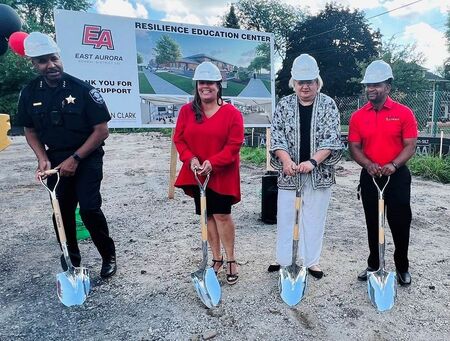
{"x":203,"y":218}
{"x":59,"y":221}
{"x":51,"y":171}
{"x":43,"y":175}
{"x":298,"y":206}
{"x":381,"y":221}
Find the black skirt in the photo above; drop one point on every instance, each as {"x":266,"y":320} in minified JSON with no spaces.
{"x":215,"y":203}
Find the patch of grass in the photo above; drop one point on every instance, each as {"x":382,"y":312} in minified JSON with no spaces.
{"x":267,"y":84}
{"x":346,"y":155}
{"x":144,"y":85}
{"x":256,"y":156}
{"x":163,"y":131}
{"x":183,"y":83}
{"x":233,"y":88}
{"x":431,"y":167}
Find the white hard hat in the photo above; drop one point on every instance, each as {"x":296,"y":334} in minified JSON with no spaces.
{"x":207,"y":71}
{"x":304,"y":68}
{"x":39,"y":44}
{"x":378,"y":71}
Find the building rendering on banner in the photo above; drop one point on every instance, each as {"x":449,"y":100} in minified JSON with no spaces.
{"x":144,"y":68}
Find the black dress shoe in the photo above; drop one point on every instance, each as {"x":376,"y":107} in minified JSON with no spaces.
{"x":363,"y":274}
{"x":273,"y":267}
{"x":316,"y":273}
{"x":109,"y":267}
{"x":404,"y":278}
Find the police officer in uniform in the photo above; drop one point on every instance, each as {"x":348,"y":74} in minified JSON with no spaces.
{"x":65,"y":123}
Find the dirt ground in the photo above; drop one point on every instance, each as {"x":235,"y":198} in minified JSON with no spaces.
{"x":158,"y":244}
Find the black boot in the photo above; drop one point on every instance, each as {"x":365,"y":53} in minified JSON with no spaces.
{"x":109,"y":267}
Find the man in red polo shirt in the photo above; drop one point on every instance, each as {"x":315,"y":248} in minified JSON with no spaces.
{"x":382,"y":138}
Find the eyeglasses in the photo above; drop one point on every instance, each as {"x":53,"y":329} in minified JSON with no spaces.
{"x":374,"y":85}
{"x":206,"y":82}
{"x":307,"y":82}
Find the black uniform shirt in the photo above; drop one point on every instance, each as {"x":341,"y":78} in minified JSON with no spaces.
{"x":62,"y":116}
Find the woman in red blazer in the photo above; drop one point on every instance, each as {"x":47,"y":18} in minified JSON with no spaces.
{"x":208,"y":135}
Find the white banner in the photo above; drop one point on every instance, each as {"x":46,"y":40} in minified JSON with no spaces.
{"x":144,"y":68}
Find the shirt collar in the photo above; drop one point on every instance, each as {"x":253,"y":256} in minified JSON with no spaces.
{"x":63,"y":83}
{"x":387,"y":104}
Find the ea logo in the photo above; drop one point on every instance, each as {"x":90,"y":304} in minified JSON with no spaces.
{"x":94,"y":35}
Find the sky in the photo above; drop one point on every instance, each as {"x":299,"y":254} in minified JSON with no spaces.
{"x":422,"y":22}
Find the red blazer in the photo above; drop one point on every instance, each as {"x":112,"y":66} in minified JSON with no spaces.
{"x":217,"y":139}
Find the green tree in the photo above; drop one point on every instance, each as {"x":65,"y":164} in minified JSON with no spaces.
{"x":16,"y":71}
{"x":269,"y":16}
{"x":447,"y":31}
{"x":262,"y":59}
{"x":405,"y":60}
{"x":38,"y":15}
{"x":231,"y":20}
{"x":409,"y":76}
{"x":242,"y":75}
{"x":263,"y":50}
{"x":339,"y":39}
{"x":446,"y":66}
{"x":257,"y":64}
{"x":167,"y":50}
{"x":139,"y":58}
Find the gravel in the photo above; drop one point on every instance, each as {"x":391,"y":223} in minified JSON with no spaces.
{"x":158,"y":243}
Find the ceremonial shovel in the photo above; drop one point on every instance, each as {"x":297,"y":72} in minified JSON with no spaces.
{"x":205,"y":279}
{"x":381,"y":285}
{"x":293,"y":278}
{"x":72,"y":285}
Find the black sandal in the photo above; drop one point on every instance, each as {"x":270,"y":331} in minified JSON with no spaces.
{"x":231,"y":278}
{"x":214,"y":264}
{"x":274,"y":268}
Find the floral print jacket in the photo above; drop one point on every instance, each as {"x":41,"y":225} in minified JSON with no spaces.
{"x":325,"y":134}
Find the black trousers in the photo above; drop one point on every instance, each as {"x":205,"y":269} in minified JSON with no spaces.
{"x":397,"y":197}
{"x":84,"y":189}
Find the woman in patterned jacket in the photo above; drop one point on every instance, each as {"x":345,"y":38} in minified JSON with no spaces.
{"x":305,"y":147}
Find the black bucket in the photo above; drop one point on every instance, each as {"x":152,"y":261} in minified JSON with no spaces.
{"x":269,"y":196}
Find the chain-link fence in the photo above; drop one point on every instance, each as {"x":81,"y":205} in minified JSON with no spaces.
{"x":431,"y":108}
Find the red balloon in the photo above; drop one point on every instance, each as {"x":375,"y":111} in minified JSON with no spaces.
{"x":16,"y":42}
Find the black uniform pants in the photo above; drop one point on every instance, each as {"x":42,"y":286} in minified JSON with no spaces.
{"x":397,"y":197}
{"x":83,"y":188}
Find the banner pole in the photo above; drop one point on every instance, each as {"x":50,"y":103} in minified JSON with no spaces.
{"x":173,"y":166}
{"x":268,"y":166}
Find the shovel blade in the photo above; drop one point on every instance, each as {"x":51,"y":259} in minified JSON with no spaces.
{"x":292,"y":284}
{"x":73,"y":286}
{"x":207,"y":286}
{"x":382,"y":289}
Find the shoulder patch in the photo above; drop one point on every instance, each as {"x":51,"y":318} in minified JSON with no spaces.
{"x":96,"y":96}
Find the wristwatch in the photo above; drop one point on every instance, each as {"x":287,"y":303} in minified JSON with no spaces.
{"x":76,"y":157}
{"x":394,"y":164}
{"x":313,"y":162}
